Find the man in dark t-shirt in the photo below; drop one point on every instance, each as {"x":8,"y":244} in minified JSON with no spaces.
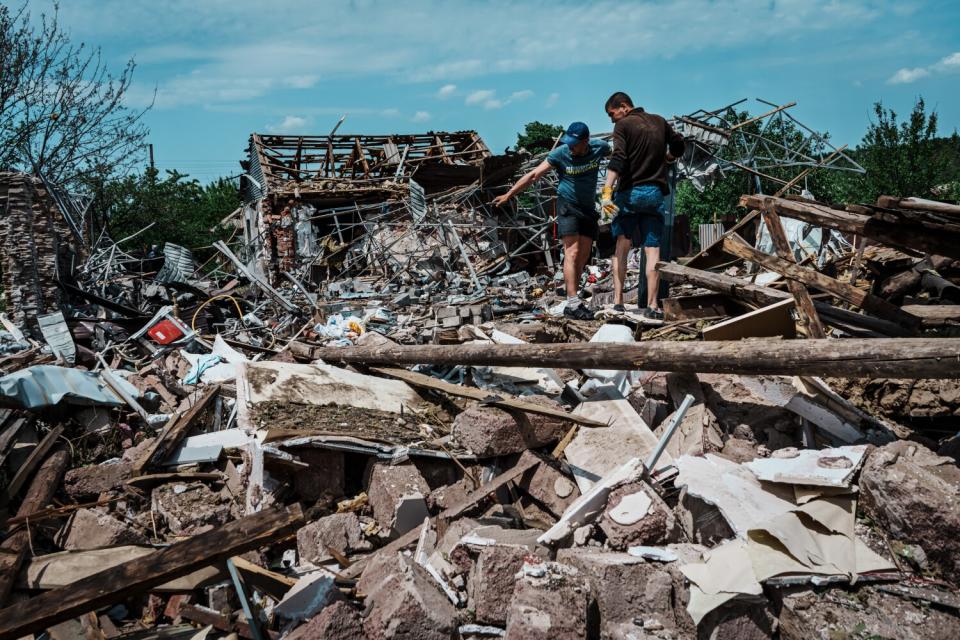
{"x":577,"y":162}
{"x":643,"y":145}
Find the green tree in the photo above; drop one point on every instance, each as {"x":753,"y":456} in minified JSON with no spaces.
{"x":715,"y":202}
{"x":538,"y":137}
{"x":906,"y":158}
{"x":184,"y":211}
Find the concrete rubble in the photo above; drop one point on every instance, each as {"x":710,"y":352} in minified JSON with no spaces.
{"x":239,"y":443}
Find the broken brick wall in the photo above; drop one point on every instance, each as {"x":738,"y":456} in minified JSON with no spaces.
{"x":34,"y":236}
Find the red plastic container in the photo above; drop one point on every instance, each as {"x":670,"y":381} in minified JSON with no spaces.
{"x":164,"y":332}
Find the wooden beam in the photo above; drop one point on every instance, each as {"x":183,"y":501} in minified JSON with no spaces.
{"x":737,"y":246}
{"x":30,"y":464}
{"x":269,"y":582}
{"x":174,"y":431}
{"x":448,"y":514}
{"x":461,"y":391}
{"x":13,"y":550}
{"x":805,"y":309}
{"x":721,"y":283}
{"x":139,"y":575}
{"x":881,"y":357}
{"x":935,"y":315}
{"x":918,"y":204}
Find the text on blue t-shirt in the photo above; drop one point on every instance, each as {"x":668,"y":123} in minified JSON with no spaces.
{"x":578,"y":174}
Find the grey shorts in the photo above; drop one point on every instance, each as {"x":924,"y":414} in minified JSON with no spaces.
{"x":575,"y":219}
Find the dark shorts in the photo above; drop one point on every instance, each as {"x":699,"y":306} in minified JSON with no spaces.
{"x":575,"y":219}
{"x":641,"y":215}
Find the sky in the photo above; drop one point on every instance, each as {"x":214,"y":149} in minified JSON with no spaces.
{"x":217,"y":70}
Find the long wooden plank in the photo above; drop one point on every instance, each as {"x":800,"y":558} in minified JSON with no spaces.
{"x":935,"y":315}
{"x":721,"y":283}
{"x":880,"y":357}
{"x":174,"y":431}
{"x":450,"y":513}
{"x":510,"y":404}
{"x":269,"y":582}
{"x":918,"y":204}
{"x":14,"y":548}
{"x":118,"y":583}
{"x":804,"y":303}
{"x":735,"y":245}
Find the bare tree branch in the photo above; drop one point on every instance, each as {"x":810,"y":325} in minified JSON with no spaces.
{"x":62,"y":112}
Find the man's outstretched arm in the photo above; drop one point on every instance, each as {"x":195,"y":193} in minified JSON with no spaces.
{"x":528,"y":178}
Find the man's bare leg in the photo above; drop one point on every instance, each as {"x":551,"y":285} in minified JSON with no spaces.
{"x":571,"y":264}
{"x":619,"y":267}
{"x":652,"y":255}
{"x":584,"y":244}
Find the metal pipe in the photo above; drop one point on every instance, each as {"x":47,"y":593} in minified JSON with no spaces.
{"x":668,"y":434}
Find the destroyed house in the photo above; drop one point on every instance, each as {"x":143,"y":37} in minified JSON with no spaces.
{"x":288,"y":179}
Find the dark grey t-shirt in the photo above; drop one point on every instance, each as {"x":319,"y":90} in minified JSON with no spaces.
{"x":578,"y":174}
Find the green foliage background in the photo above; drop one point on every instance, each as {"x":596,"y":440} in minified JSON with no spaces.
{"x":185,"y":212}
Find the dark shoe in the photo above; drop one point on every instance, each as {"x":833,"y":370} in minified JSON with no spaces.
{"x":655,"y":314}
{"x":619,"y":308}
{"x":580,"y":312}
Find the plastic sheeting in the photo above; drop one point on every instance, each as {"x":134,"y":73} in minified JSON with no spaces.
{"x":805,"y":239}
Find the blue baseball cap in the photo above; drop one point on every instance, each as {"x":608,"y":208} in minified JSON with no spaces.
{"x":576,"y":132}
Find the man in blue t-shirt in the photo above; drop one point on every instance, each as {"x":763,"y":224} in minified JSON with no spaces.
{"x":577,"y":162}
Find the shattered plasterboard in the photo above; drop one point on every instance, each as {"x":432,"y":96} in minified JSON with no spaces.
{"x":594,"y":453}
{"x":819,"y":467}
{"x":733,"y":489}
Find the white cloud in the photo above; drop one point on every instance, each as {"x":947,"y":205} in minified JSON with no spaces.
{"x":212,"y":44}
{"x":947,"y":64}
{"x":390,"y":113}
{"x":300,"y":82}
{"x":479,"y":96}
{"x":952,"y":61}
{"x":290,"y":124}
{"x":551,"y":100}
{"x":446,"y":91}
{"x":906,"y":76}
{"x":487,"y":98}
{"x":421,"y":116}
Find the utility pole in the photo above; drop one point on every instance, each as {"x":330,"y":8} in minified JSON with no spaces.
{"x":152,"y":167}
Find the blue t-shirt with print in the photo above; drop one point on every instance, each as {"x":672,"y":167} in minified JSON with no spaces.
{"x":578,"y":174}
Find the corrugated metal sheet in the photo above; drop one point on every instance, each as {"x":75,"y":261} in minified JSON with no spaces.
{"x":54,"y":328}
{"x":710,"y":233}
{"x":47,"y":385}
{"x":178,"y":264}
{"x":418,"y":201}
{"x":253,"y":190}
